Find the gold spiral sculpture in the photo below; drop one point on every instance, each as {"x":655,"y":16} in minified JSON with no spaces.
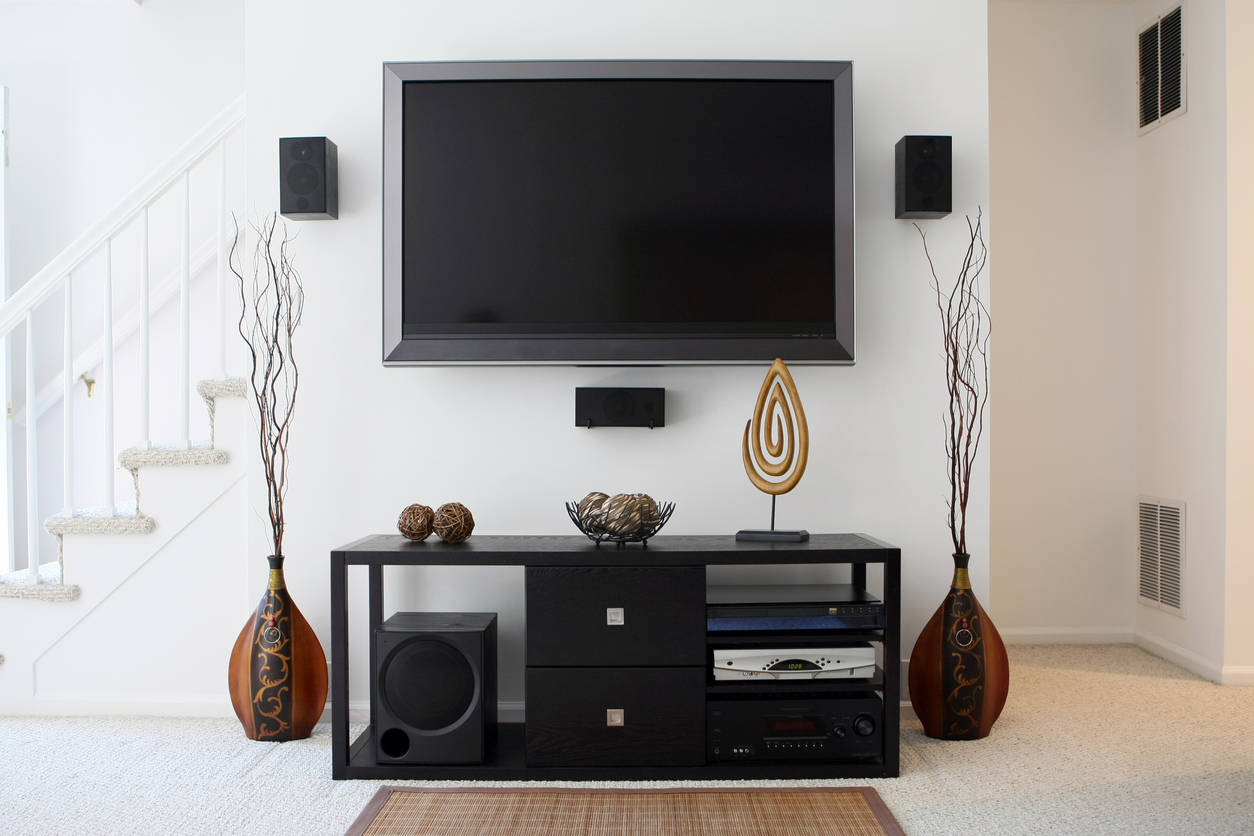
{"x":780,"y":422}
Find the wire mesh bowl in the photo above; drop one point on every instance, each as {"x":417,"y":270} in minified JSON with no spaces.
{"x":598,"y":534}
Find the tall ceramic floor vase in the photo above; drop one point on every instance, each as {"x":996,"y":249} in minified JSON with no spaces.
{"x":278,"y":674}
{"x":959,"y":674}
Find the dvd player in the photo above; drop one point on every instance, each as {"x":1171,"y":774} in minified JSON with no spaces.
{"x":792,"y":607}
{"x":767,"y":664}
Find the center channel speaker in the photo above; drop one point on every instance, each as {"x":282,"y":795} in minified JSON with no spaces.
{"x":619,"y":407}
{"x":435,"y":687}
{"x":308,"y":178}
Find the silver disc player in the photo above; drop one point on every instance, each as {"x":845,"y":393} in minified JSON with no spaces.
{"x":768,"y":664}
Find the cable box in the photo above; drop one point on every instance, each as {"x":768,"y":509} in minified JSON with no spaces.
{"x":792,"y":607}
{"x":770,"y":664}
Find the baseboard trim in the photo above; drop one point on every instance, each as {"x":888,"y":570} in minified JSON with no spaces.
{"x":1237,"y":675}
{"x":1066,"y":635}
{"x":1184,"y":657}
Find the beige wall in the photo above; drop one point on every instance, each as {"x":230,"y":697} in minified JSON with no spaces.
{"x":1182,"y":344}
{"x":1239,"y":574}
{"x":1061,"y":137}
{"x":1125,"y":344}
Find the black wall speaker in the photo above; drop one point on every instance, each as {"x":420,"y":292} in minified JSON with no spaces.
{"x":609,"y":407}
{"x":308,"y":178}
{"x":434,"y":687}
{"x":924,"y":177}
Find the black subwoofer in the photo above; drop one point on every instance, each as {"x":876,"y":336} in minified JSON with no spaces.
{"x":435,"y":687}
{"x":924,"y":176}
{"x":308,"y":178}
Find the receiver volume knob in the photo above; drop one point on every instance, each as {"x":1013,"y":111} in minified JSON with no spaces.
{"x":864,"y":726}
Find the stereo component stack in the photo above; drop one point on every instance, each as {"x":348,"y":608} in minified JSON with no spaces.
{"x":794,"y":673}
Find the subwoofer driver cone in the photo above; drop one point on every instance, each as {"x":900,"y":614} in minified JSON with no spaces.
{"x":430,"y":685}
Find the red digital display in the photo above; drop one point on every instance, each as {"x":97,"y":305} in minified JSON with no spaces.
{"x":809,"y":726}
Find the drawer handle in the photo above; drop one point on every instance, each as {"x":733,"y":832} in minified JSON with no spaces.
{"x":615,"y":717}
{"x":615,"y":616}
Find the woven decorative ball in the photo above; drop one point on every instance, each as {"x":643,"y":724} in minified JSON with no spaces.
{"x":649,"y":513}
{"x":415,"y":522}
{"x":590,"y":511}
{"x":453,"y":522}
{"x":622,"y":514}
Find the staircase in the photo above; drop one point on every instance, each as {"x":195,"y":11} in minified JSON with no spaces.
{"x":115,"y":608}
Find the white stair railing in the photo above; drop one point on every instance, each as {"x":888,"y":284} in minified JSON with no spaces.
{"x":32,"y":471}
{"x":58,"y":276}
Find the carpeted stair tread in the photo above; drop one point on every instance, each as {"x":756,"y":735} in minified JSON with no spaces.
{"x":49,"y":588}
{"x":126,"y":519}
{"x":169,"y":455}
{"x":232,"y":387}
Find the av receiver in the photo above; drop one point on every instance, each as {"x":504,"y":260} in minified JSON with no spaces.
{"x":794,"y":729}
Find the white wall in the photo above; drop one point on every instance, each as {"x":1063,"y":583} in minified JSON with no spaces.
{"x":1239,"y":574}
{"x":100,"y":93}
{"x":368,"y":440}
{"x":153,"y":628}
{"x":1064,"y":459}
{"x":117,"y":655}
{"x":1182,"y":340}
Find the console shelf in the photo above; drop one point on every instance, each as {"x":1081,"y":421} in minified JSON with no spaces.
{"x":791,"y":639}
{"x":816,"y":686}
{"x":506,"y":761}
{"x":506,"y":758}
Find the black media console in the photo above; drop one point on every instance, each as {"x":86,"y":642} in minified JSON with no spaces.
{"x":650,"y":662}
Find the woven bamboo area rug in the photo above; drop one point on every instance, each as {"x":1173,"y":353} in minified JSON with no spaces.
{"x":548,"y":811}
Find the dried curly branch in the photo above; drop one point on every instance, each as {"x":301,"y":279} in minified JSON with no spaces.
{"x":272,"y":305}
{"x":967,"y":326}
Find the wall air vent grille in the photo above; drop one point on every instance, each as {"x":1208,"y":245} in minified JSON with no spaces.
{"x":1161,"y":51}
{"x":1149,"y":75}
{"x":1161,"y":554}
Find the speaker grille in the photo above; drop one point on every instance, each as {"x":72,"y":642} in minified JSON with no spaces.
{"x":302,"y":178}
{"x":928,"y":176}
{"x":1161,"y":554}
{"x":429,"y":685}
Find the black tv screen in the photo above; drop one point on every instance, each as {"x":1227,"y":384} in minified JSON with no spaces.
{"x":609,"y":212}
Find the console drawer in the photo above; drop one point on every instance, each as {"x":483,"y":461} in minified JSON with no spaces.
{"x":662,"y":716}
{"x":568,"y":619}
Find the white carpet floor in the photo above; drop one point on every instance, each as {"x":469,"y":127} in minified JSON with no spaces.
{"x":1094,"y":740}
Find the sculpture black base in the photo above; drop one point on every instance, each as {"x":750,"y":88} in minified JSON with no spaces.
{"x":773,"y":535}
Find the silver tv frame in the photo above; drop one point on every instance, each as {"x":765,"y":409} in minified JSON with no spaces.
{"x":616,"y":350}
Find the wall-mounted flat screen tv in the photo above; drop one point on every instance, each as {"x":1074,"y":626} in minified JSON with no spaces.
{"x":611,"y":212}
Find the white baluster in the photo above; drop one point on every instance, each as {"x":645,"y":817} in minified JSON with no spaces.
{"x":222,"y":258}
{"x":185,"y":282}
{"x":32,"y":460}
{"x":67,"y":404}
{"x":106,"y":379}
{"x":145,"y":434}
